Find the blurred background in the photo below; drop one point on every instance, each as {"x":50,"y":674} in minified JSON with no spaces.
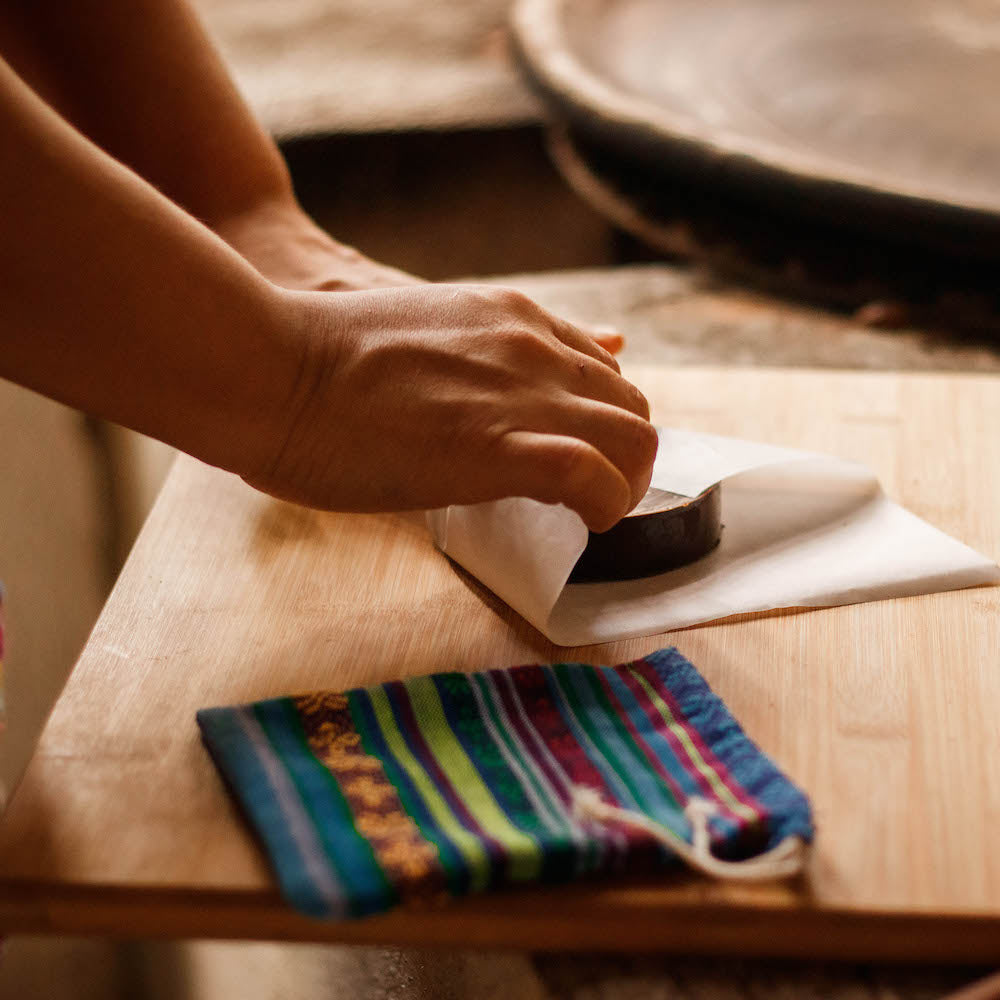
{"x":412,"y":134}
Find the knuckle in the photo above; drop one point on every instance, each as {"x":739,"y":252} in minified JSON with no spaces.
{"x":493,"y":429}
{"x":526,"y":342}
{"x":484,"y":301}
{"x":511,"y":300}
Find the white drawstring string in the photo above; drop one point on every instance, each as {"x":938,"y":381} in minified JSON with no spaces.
{"x":782,"y":861}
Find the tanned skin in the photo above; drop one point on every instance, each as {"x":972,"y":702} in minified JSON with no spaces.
{"x":157,"y":270}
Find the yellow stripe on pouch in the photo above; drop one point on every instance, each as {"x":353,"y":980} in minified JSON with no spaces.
{"x":468,"y":844}
{"x":523,"y":852}
{"x":718,"y":785}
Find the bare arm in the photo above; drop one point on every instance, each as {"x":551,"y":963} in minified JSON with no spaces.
{"x":117,"y":301}
{"x":141,"y":79}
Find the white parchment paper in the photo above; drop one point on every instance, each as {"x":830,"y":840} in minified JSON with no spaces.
{"x":800,"y":530}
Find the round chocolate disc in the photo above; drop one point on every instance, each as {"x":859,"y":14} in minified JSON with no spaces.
{"x":665,"y":531}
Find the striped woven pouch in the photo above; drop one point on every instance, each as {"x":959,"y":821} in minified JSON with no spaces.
{"x":418,"y":790}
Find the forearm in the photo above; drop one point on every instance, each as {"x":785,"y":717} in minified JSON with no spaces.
{"x":141,"y":79}
{"x":117,"y":302}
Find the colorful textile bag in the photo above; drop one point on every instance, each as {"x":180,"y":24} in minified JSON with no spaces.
{"x":418,"y":790}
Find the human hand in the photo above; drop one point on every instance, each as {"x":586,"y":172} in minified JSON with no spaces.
{"x":411,"y":396}
{"x":290,"y":250}
{"x":427,"y":395}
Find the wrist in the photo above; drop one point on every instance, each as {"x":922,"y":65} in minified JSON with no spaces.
{"x":230,"y":409}
{"x":303,"y":342}
{"x":284,"y":245}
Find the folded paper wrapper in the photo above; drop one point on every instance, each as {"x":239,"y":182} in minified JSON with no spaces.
{"x":415,"y":791}
{"x":799,"y":530}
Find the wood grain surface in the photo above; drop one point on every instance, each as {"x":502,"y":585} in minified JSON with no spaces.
{"x":884,"y":712}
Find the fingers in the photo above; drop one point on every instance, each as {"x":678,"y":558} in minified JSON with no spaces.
{"x":574,"y":337}
{"x":611,"y":340}
{"x":589,"y":343}
{"x":544,"y":362}
{"x":627,"y":441}
{"x":597,"y":382}
{"x":600,"y":408}
{"x":605,"y":336}
{"x":582,"y":456}
{"x":584,"y":377}
{"x":559,"y":469}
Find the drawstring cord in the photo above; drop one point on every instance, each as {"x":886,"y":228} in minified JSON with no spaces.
{"x":782,"y":861}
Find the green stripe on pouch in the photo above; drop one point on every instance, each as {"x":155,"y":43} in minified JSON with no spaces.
{"x":468,"y":844}
{"x":524,"y":856}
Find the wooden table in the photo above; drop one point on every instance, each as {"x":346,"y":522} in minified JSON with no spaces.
{"x":884,"y":712}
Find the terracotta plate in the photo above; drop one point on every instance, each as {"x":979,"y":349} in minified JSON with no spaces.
{"x":892,"y":105}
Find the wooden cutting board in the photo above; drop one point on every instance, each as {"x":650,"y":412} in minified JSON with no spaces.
{"x":886,"y":713}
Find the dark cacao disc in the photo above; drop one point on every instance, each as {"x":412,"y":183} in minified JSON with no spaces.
{"x":665,"y":531}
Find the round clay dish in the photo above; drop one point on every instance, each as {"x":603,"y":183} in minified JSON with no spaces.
{"x":891,"y":108}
